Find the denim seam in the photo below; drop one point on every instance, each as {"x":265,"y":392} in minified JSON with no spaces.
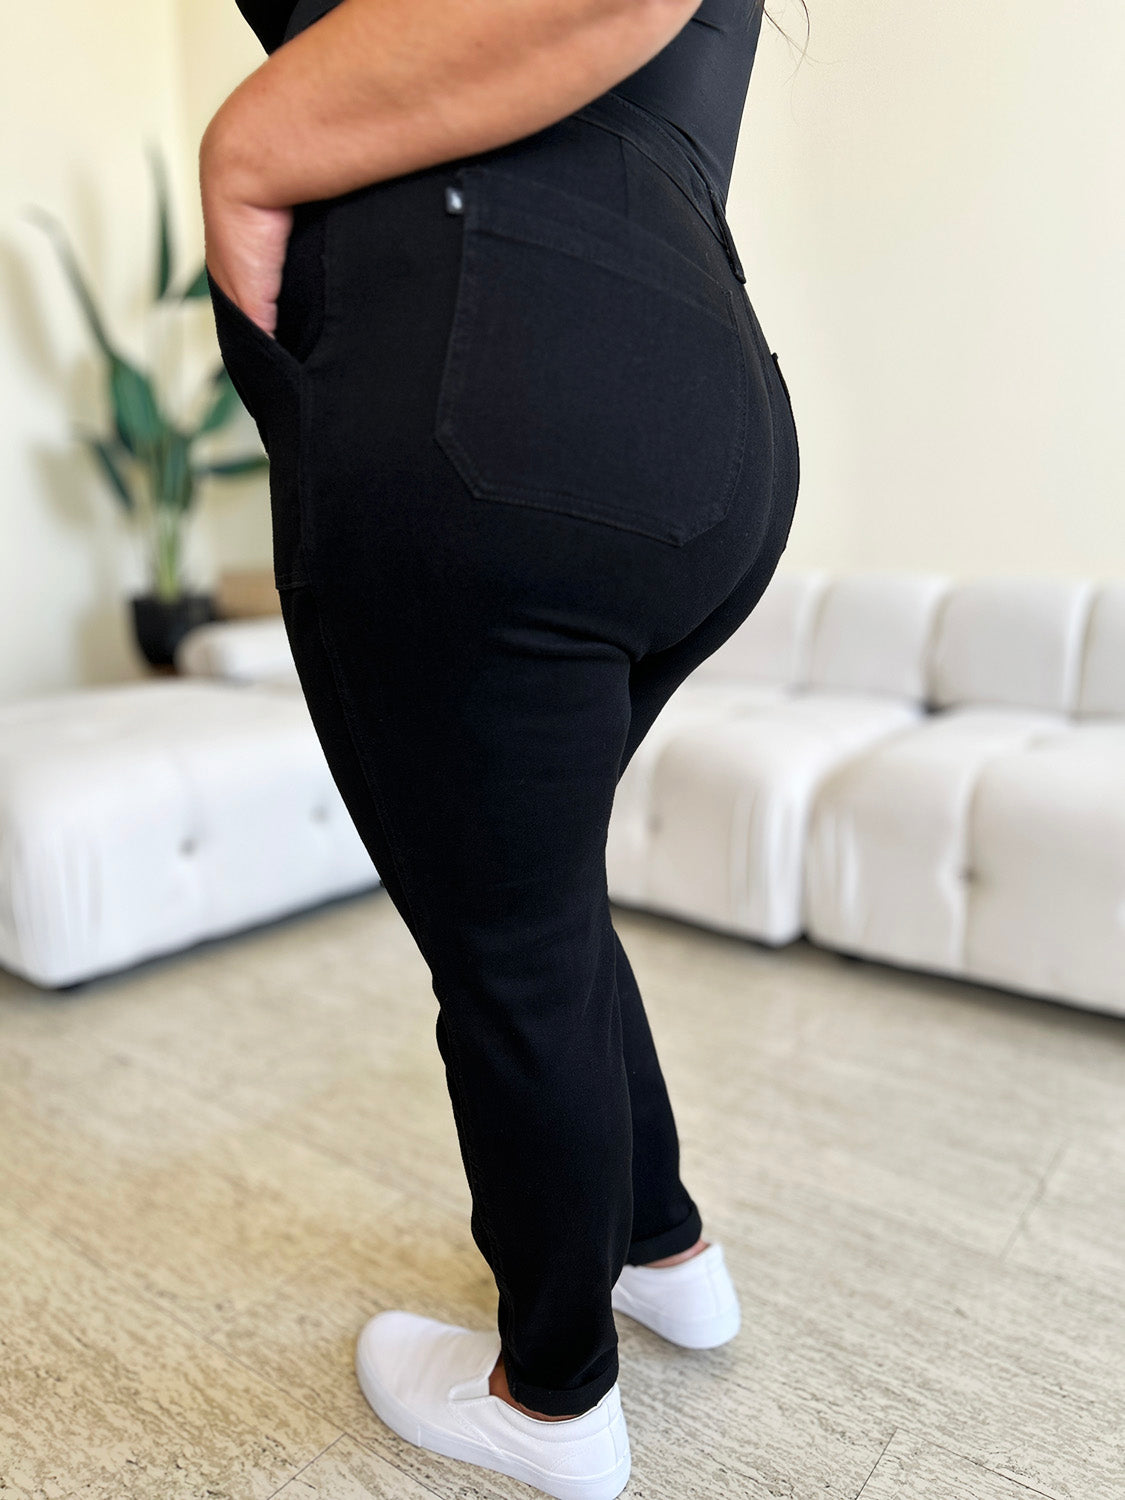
{"x":649,"y":1239}
{"x":300,"y":575}
{"x":673,"y":175}
{"x":540,"y":226}
{"x":598,"y":1385}
{"x":391,"y":834}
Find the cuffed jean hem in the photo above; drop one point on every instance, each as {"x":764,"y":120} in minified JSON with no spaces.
{"x":670,"y":1242}
{"x":565,"y":1403}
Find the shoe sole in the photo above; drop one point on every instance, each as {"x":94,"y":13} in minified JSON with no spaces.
{"x":401,"y":1420}
{"x":704,"y":1333}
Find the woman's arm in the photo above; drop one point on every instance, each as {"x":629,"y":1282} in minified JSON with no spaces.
{"x":377,"y":88}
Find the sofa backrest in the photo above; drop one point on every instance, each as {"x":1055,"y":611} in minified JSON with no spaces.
{"x":772,"y":643}
{"x":872,"y":634}
{"x":1012,"y":641}
{"x":1102,"y":689}
{"x":1045,"y":644}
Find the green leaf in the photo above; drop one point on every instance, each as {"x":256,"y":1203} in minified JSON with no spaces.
{"x":57,"y":234}
{"x":106,"y":454}
{"x":225,"y":401}
{"x":173,"y":480}
{"x":139,"y":422}
{"x":232,"y":467}
{"x":198,"y":286}
{"x":164,"y":235}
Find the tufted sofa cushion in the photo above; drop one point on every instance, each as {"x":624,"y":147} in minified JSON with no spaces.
{"x":139,"y":818}
{"x":1103,"y":670}
{"x":891,"y":866}
{"x":872,"y":634}
{"x":1015,"y":641}
{"x":729,"y":805}
{"x":1047,"y":847}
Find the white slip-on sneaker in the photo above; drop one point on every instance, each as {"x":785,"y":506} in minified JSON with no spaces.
{"x":428,"y":1381}
{"x":693,"y":1303}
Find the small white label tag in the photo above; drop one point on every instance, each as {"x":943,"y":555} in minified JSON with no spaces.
{"x":454,"y":201}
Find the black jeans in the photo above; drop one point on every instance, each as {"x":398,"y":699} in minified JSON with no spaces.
{"x":532,"y":461}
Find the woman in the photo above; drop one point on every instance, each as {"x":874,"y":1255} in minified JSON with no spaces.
{"x":531,"y":462}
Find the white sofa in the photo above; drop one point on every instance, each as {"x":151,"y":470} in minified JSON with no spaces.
{"x":915,"y":769}
{"x":909,"y":768}
{"x":940,"y":782}
{"x":711,"y":818}
{"x":139,"y":818}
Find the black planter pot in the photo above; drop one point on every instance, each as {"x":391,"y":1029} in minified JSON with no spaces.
{"x":160,"y":624}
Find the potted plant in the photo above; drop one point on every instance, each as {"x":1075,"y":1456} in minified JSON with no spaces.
{"x":149,"y":459}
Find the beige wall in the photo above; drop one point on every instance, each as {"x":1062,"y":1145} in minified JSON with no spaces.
{"x":214,"y":51}
{"x":83,"y":88}
{"x":80,"y":86}
{"x":930,"y":212}
{"x":928,"y":209}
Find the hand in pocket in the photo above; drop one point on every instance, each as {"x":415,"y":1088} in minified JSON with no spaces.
{"x":244,"y":245}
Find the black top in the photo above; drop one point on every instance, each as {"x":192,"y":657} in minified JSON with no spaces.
{"x":697,"y":83}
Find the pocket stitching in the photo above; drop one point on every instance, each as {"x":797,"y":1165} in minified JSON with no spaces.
{"x":493,"y":216}
{"x":453,"y":381}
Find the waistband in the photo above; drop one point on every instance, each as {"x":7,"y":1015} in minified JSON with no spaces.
{"x":668,"y":149}
{"x":673,"y":154}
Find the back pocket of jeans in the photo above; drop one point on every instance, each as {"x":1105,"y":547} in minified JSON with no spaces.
{"x":592,"y":369}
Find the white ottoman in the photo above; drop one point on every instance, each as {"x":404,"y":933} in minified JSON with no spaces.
{"x":254,"y":650}
{"x":138,"y":818}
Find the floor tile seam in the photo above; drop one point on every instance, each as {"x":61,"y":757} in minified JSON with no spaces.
{"x":977,"y":1463}
{"x":316,"y":1457}
{"x":1036,"y":1197}
{"x":878,"y":1461}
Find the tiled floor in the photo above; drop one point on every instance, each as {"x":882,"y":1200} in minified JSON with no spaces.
{"x":215,"y":1167}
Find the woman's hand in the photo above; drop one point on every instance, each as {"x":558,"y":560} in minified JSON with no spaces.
{"x":244,"y":244}
{"x":378,"y":88}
